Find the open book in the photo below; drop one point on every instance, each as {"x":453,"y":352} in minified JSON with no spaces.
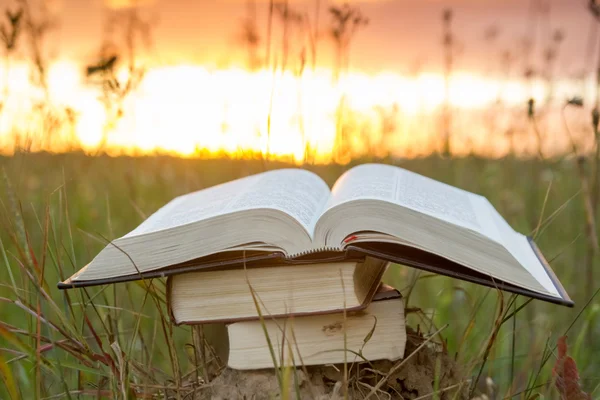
{"x":379,"y":210}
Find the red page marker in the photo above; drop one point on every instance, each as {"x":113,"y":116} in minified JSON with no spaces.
{"x":350,"y":238}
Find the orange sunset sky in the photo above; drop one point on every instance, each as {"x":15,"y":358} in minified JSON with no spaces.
{"x":197,"y":93}
{"x":403,"y":35}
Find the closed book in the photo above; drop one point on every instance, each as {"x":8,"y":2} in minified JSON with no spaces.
{"x":375,"y":333}
{"x":273,"y":290}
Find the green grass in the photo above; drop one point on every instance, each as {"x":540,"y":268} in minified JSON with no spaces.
{"x":117,"y":340}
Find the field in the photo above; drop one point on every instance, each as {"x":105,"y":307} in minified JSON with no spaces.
{"x":58,"y":211}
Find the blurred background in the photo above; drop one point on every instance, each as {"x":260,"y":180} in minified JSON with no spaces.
{"x":304,"y":80}
{"x":109,"y":109}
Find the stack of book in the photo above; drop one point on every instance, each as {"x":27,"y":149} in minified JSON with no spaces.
{"x":310,"y":252}
{"x":313,"y":314}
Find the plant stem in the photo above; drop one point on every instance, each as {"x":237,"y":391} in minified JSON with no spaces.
{"x":269,"y":33}
{"x":200,"y":350}
{"x":590,"y":227}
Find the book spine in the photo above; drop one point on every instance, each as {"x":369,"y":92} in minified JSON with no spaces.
{"x":168,"y":293}
{"x":324,"y":249}
{"x":376,"y":285}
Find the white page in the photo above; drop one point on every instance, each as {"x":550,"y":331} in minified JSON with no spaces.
{"x":367,"y":181}
{"x":405,"y":188}
{"x":448,"y":203}
{"x":299,"y":193}
{"x":518,"y":245}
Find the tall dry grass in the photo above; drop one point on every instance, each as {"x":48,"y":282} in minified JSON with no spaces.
{"x":57,"y":211}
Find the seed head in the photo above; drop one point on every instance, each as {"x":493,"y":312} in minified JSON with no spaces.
{"x":595,"y":119}
{"x":531,"y":108}
{"x":576,"y":101}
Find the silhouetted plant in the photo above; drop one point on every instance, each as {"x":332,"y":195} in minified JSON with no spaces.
{"x":550,"y":57}
{"x":490,"y":37}
{"x":37,"y":24}
{"x":449,"y":44}
{"x":313,"y":34}
{"x":589,"y":167}
{"x":33,"y":21}
{"x":388,"y":120}
{"x":289,"y":18}
{"x":10,"y":30}
{"x":532,"y":116}
{"x":250,"y":36}
{"x":346,"y":21}
{"x":130,"y":29}
{"x":269,"y":33}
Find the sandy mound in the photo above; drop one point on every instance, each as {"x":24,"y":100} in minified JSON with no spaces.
{"x":415,"y":378}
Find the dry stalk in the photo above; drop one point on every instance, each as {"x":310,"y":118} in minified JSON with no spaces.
{"x":200,"y":350}
{"x":401,"y":363}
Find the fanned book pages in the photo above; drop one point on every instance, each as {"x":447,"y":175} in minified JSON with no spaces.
{"x":281,"y":290}
{"x":290,"y":214}
{"x":376,"y":333}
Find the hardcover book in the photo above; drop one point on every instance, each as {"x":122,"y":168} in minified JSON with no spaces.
{"x":282,"y":290}
{"x":377,"y":332}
